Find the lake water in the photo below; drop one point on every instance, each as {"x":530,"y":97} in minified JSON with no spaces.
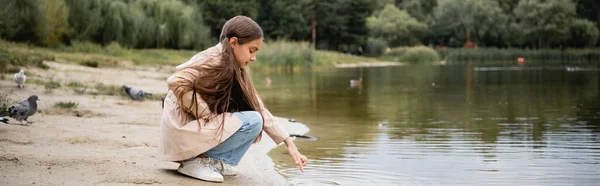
{"x":441,"y":125}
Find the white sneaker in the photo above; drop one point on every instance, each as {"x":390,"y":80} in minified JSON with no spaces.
{"x":224,"y":168}
{"x":201,"y":168}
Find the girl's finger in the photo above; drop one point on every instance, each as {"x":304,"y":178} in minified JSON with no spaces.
{"x":304,"y":161}
{"x":301,"y":167}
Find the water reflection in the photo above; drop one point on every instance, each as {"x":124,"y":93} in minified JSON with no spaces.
{"x":447,"y":125}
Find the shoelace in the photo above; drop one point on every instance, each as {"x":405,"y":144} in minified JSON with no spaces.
{"x":207,"y":161}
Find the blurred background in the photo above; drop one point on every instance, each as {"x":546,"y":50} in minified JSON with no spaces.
{"x":464,"y":92}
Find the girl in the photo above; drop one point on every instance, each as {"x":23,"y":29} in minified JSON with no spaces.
{"x":212,"y":113}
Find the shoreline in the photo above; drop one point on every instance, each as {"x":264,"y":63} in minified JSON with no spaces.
{"x":105,"y":140}
{"x":367,"y":64}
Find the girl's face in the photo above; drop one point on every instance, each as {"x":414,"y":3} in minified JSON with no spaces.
{"x":245,"y":53}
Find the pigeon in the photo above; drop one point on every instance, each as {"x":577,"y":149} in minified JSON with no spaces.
{"x":20,"y":78}
{"x":22,"y":110}
{"x":135,"y":93}
{"x":4,"y":120}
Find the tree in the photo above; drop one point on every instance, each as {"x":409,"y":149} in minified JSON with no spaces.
{"x":18,"y":19}
{"x":545,"y":23}
{"x":584,"y":33}
{"x":216,"y":13}
{"x":588,"y":9}
{"x":340,"y":23}
{"x":396,"y":26}
{"x":465,"y":20}
{"x":284,"y":19}
{"x":85,"y":18}
{"x":355,"y":37}
{"x":419,"y":9}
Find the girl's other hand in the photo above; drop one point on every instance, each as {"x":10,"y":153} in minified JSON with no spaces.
{"x":298,"y":158}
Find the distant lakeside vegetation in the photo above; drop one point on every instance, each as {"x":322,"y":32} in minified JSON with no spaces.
{"x":100,"y":33}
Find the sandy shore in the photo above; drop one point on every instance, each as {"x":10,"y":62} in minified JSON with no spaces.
{"x":106,"y":140}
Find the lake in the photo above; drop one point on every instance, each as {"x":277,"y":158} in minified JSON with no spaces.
{"x":441,"y":125}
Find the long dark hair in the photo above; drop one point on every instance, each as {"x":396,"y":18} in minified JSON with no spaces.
{"x":227,"y":86}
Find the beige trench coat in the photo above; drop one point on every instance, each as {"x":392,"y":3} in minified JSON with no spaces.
{"x":181,"y":136}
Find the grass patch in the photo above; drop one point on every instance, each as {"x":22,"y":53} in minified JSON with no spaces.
{"x":11,"y":61}
{"x":291,"y":55}
{"x":277,"y":54}
{"x":66,"y":105}
{"x":51,"y":85}
{"x":5,"y":100}
{"x":283,"y":54}
{"x":111,"y":90}
{"x":75,"y":84}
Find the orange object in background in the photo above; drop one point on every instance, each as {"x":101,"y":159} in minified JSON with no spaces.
{"x":521,"y":60}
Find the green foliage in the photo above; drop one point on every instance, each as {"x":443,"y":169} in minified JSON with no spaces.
{"x":85,"y":18}
{"x":5,"y":100}
{"x":341,"y":25}
{"x":396,"y":26}
{"x":66,"y":105}
{"x":51,"y":85}
{"x":419,"y":9}
{"x":557,"y":16}
{"x":477,"y":20}
{"x":16,"y":59}
{"x":376,"y":47}
{"x":18,"y":19}
{"x":282,"y":54}
{"x":112,"y":27}
{"x":288,"y":13}
{"x":584,"y":33}
{"x":75,"y":84}
{"x":418,"y":54}
{"x":54,"y":25}
{"x":216,"y":13}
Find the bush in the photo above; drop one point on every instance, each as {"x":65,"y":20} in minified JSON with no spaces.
{"x":376,"y":47}
{"x":420,"y":54}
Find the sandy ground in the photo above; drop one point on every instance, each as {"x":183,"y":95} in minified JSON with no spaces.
{"x":106,"y":140}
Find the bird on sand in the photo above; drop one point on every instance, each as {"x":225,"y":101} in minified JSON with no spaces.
{"x":20,"y":78}
{"x":22,"y":110}
{"x":135,"y":93}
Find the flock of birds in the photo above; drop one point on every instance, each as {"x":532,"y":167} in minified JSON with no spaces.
{"x":22,"y":110}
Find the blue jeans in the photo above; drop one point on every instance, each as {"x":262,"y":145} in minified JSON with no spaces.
{"x":234,"y":147}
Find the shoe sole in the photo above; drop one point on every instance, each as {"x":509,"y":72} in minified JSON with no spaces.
{"x":184,"y":172}
{"x":233,"y":174}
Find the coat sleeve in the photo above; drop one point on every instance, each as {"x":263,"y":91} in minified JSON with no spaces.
{"x":182,"y":81}
{"x":273,"y":128}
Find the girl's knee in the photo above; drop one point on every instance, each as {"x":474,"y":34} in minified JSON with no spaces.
{"x":256,"y":123}
{"x":252,"y":120}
